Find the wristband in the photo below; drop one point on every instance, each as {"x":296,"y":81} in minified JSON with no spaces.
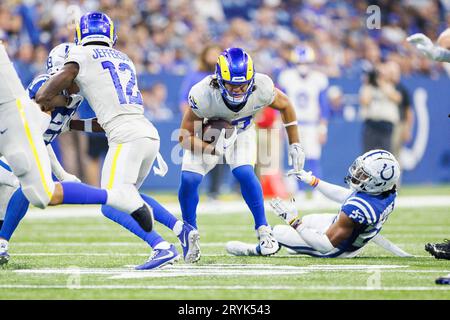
{"x":315,"y":181}
{"x":293,"y":123}
{"x":88,"y":125}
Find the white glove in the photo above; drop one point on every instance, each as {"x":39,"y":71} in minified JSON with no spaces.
{"x":223,"y":144}
{"x":66,"y":126}
{"x":304,"y":176}
{"x":296,"y":156}
{"x":74,"y":101}
{"x":424,"y":45}
{"x":287,"y":212}
{"x":67,"y":177}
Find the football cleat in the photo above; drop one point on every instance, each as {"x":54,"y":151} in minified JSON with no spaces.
{"x":439,"y":250}
{"x":190,"y":242}
{"x":238,"y":248}
{"x":160,"y":258}
{"x":4,"y":256}
{"x":268,"y":245}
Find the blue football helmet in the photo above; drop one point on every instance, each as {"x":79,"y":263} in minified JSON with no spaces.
{"x":235,"y":66}
{"x":95,"y":27}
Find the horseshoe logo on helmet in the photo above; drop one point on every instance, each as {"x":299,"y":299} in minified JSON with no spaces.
{"x":383,"y":170}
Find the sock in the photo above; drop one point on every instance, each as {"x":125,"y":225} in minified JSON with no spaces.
{"x":16,"y":210}
{"x":128,"y":222}
{"x":177,"y":228}
{"x":252,"y":193}
{"x":80,"y":193}
{"x":162,"y":245}
{"x":160,"y":213}
{"x":188,"y":196}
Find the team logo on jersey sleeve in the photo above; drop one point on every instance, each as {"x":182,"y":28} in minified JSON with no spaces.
{"x":192,"y":103}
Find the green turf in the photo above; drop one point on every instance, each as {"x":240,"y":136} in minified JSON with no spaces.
{"x":84,"y":243}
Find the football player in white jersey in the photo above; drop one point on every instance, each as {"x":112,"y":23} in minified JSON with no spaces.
{"x":235,"y":93}
{"x":307,"y":89}
{"x":21,"y":143}
{"x":107,"y":79}
{"x":365,"y":207}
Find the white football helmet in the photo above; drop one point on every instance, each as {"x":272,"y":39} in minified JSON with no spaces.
{"x":57,"y":56}
{"x":303,"y":56}
{"x":374,"y":172}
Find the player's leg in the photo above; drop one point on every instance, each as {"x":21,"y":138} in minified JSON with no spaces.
{"x":10,"y":216}
{"x":129,"y":165}
{"x":194,"y":168}
{"x":242,"y":160}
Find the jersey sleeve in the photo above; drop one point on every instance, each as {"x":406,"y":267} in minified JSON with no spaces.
{"x":266,"y":89}
{"x":359,"y":210}
{"x":77,"y":55}
{"x":35,"y":85}
{"x":198,"y":101}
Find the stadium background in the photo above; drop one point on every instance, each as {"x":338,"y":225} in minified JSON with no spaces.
{"x":164,"y":39}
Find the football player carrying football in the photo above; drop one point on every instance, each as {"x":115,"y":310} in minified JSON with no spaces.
{"x":235,"y":93}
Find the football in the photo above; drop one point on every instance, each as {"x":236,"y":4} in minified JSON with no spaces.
{"x":212,"y":128}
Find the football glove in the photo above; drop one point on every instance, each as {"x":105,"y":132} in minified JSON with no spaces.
{"x":305,"y":176}
{"x":424,"y":45}
{"x":74,"y":101}
{"x":287,"y":212}
{"x":296,"y":157}
{"x":67,"y":177}
{"x":223,"y":144}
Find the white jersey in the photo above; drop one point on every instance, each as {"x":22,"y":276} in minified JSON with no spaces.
{"x":304,"y":92}
{"x":207,"y":102}
{"x":10,"y":86}
{"x":107,"y":79}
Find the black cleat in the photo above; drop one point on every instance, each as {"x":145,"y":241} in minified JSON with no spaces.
{"x":443,"y":280}
{"x":144,"y":217}
{"x":439,"y":250}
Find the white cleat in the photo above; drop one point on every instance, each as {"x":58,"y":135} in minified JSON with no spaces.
{"x":268,"y":245}
{"x":238,"y":248}
{"x":4,"y":256}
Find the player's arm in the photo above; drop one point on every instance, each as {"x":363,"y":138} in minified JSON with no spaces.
{"x":439,"y":52}
{"x":187,"y":137}
{"x":281,"y":102}
{"x":55,"y":85}
{"x":57,"y":169}
{"x":288,"y":115}
{"x":85,"y":125}
{"x":329,"y":190}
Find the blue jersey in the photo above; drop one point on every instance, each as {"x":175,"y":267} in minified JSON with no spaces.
{"x":59,"y":116}
{"x":369,"y":212}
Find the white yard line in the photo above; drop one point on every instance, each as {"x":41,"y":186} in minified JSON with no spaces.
{"x":191,"y":288}
{"x":226,"y":207}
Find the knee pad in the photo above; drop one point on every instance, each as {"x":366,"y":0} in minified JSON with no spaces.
{"x":38,"y":198}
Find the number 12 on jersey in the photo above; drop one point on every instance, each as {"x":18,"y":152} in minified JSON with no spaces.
{"x":132,"y":99}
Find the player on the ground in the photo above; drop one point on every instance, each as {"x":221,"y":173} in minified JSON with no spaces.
{"x":22,"y":146}
{"x":307,"y":89}
{"x":235,"y":93}
{"x":365,"y":207}
{"x":107,"y":79}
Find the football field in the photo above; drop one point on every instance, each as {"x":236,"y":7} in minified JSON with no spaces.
{"x":76,"y":253}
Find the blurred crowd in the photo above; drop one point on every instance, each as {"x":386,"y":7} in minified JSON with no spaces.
{"x":184,"y":37}
{"x":167,"y":36}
